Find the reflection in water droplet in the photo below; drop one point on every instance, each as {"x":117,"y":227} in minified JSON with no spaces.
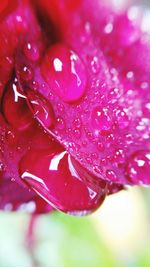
{"x":64,"y":71}
{"x":138,"y":167}
{"x":101,"y":119}
{"x":61,"y":181}
{"x":122,"y":118}
{"x":60,"y":124}
{"x":111,"y":175}
{"x":41,"y":108}
{"x":31,"y":51}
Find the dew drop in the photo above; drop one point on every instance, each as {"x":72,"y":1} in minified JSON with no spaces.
{"x":26,"y":73}
{"x":97,"y":169}
{"x":95,"y":66}
{"x":110,"y":174}
{"x":113,"y":95}
{"x":2,"y":168}
{"x":100,"y":146}
{"x":119,"y":156}
{"x":64,"y":71}
{"x":146,"y":110}
{"x":60,"y":124}
{"x":11,"y":137}
{"x":77,"y":123}
{"x":31,"y":51}
{"x":122,"y":118}
{"x":60,"y":181}
{"x":41,"y":108}
{"x":138,"y":167}
{"x":101,"y":119}
{"x":77,"y":133}
{"x":60,"y":107}
{"x":108,"y":28}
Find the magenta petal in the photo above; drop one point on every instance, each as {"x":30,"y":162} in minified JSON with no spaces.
{"x":75,"y":122}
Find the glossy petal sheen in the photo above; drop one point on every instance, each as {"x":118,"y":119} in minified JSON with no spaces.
{"x":74,"y":104}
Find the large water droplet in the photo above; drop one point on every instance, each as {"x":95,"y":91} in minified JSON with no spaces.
{"x":64,"y":71}
{"x":61,"y":182}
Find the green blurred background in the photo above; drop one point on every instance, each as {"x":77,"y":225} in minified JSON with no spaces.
{"x":117,"y":235}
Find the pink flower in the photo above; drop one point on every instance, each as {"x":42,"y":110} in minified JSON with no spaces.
{"x":75,"y":104}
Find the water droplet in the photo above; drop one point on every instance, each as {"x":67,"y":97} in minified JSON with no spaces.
{"x":26,"y":73}
{"x":77,"y":123}
{"x":113,"y":95}
{"x":130,"y":75}
{"x":138,"y":168}
{"x":101,"y":119}
{"x":111,"y":175}
{"x":144,"y":85}
{"x":108,"y":28}
{"x":77,"y":133}
{"x":31,"y":51}
{"x":122,"y":118}
{"x":146,"y":110}
{"x":89,"y":160}
{"x":64,"y":71}
{"x":60,"y":124}
{"x":100,"y":146}
{"x":41,"y":108}
{"x":95,"y":65}
{"x":2,"y":168}
{"x":11,"y":137}
{"x":97,"y":169}
{"x":119,"y":156}
{"x":60,"y":108}
{"x":60,"y":181}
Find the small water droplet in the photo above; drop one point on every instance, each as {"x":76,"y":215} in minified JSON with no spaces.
{"x":41,"y":108}
{"x":113,"y":95}
{"x":101,"y":119}
{"x":111,"y":175}
{"x":77,"y":123}
{"x":119,"y":156}
{"x":138,"y":167}
{"x":60,"y":107}
{"x":122,"y":118}
{"x":130,"y":75}
{"x":108,"y":28}
{"x":31,"y":51}
{"x":95,"y":65}
{"x":97,"y":169}
{"x":26,"y":73}
{"x":60,"y":124}
{"x":77,"y":133}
